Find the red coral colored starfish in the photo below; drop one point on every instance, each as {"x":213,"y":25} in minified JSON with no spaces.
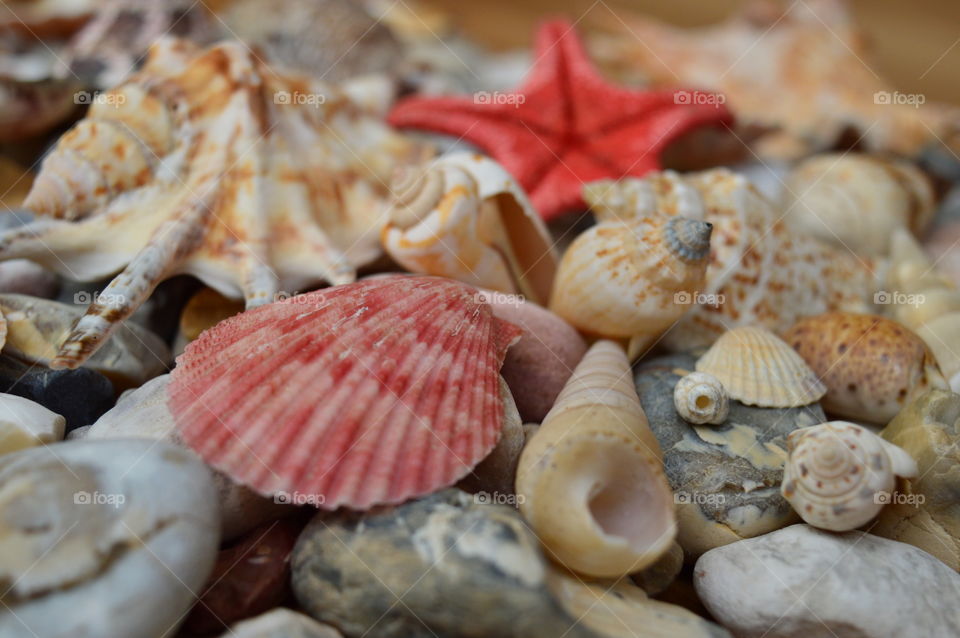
{"x":566,"y":125}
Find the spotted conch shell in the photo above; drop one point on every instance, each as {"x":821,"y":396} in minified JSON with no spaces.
{"x":210,"y":163}
{"x":839,"y":475}
{"x":632,"y":276}
{"x":464,"y":217}
{"x":592,"y":478}
{"x":761,"y":272}
{"x":856,"y":201}
{"x":924,"y":300}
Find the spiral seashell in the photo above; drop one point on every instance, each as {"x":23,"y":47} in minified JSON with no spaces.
{"x":592,"y":478}
{"x":856,"y":201}
{"x":758,"y":368}
{"x":464,"y":217}
{"x":632,"y":279}
{"x":925,"y":301}
{"x":839,"y":475}
{"x":701,"y":398}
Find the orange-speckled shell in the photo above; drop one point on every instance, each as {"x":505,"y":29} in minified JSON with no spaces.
{"x":209,"y":162}
{"x":871,"y":366}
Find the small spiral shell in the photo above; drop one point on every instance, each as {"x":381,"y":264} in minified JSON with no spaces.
{"x":416,"y":193}
{"x":700,"y":398}
{"x":688,"y":239}
{"x":839,"y":475}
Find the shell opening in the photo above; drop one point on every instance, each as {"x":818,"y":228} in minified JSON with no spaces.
{"x":703,"y":402}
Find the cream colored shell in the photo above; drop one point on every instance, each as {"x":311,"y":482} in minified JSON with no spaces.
{"x":856,"y":201}
{"x":924,"y":300}
{"x":590,"y":480}
{"x":464,"y":217}
{"x":839,"y":475}
{"x":24,"y":424}
{"x":632,"y":277}
{"x":700,"y":398}
{"x":758,"y":368}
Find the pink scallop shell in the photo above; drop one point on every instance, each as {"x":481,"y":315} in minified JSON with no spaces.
{"x":358,"y":395}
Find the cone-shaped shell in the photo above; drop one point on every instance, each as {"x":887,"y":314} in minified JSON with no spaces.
{"x":591,"y":477}
{"x":464,"y":217}
{"x":839,"y":475}
{"x":871,"y":366}
{"x":634,"y":278}
{"x":701,"y":398}
{"x":368,"y":393}
{"x":758,"y":368}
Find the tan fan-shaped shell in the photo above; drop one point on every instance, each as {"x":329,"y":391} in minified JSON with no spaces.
{"x":592,"y":478}
{"x":632,"y":277}
{"x":758,"y":368}
{"x":839,"y":475}
{"x":701,"y":398}
{"x":209,"y":162}
{"x":464,"y":217}
{"x":856,"y":201}
{"x":926,"y":301}
{"x":761,"y":272}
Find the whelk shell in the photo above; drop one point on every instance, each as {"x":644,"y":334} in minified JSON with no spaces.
{"x":592,"y":477}
{"x":701,"y":398}
{"x":758,"y":368}
{"x":357,"y":395}
{"x":210,"y":163}
{"x":463,"y":216}
{"x":839,"y":475}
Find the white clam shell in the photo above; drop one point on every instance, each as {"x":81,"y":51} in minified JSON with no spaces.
{"x":758,"y":368}
{"x":700,"y":398}
{"x":839,"y":475}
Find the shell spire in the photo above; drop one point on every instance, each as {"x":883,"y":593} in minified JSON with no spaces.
{"x":592,"y":478}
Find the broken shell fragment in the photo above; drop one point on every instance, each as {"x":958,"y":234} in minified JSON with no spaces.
{"x":463,"y":216}
{"x":700,"y":398}
{"x":839,"y":475}
{"x":592,"y":478}
{"x":758,"y":368}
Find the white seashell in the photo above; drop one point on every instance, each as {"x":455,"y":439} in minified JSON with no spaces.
{"x":856,"y":201}
{"x":24,"y":424}
{"x":758,"y":368}
{"x":701,"y":398}
{"x":464,"y":217}
{"x":839,"y":475}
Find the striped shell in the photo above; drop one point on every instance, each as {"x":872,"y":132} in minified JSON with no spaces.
{"x":701,"y":398}
{"x":362,"y":394}
{"x":758,"y":368}
{"x":464,"y":217}
{"x":839,"y":475}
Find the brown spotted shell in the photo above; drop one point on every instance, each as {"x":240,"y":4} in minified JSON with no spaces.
{"x":871,"y":366}
{"x":839,"y":475}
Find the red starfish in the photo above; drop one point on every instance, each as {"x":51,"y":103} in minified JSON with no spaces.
{"x":566,"y":125}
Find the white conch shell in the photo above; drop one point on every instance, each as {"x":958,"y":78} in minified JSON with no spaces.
{"x":24,"y":424}
{"x":839,"y":475}
{"x":591,"y":478}
{"x":758,"y":368}
{"x":210,"y":163}
{"x":856,"y":201}
{"x":701,"y":398}
{"x":925,"y":301}
{"x":632,"y":277}
{"x":761,"y":272}
{"x":464,"y":217}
